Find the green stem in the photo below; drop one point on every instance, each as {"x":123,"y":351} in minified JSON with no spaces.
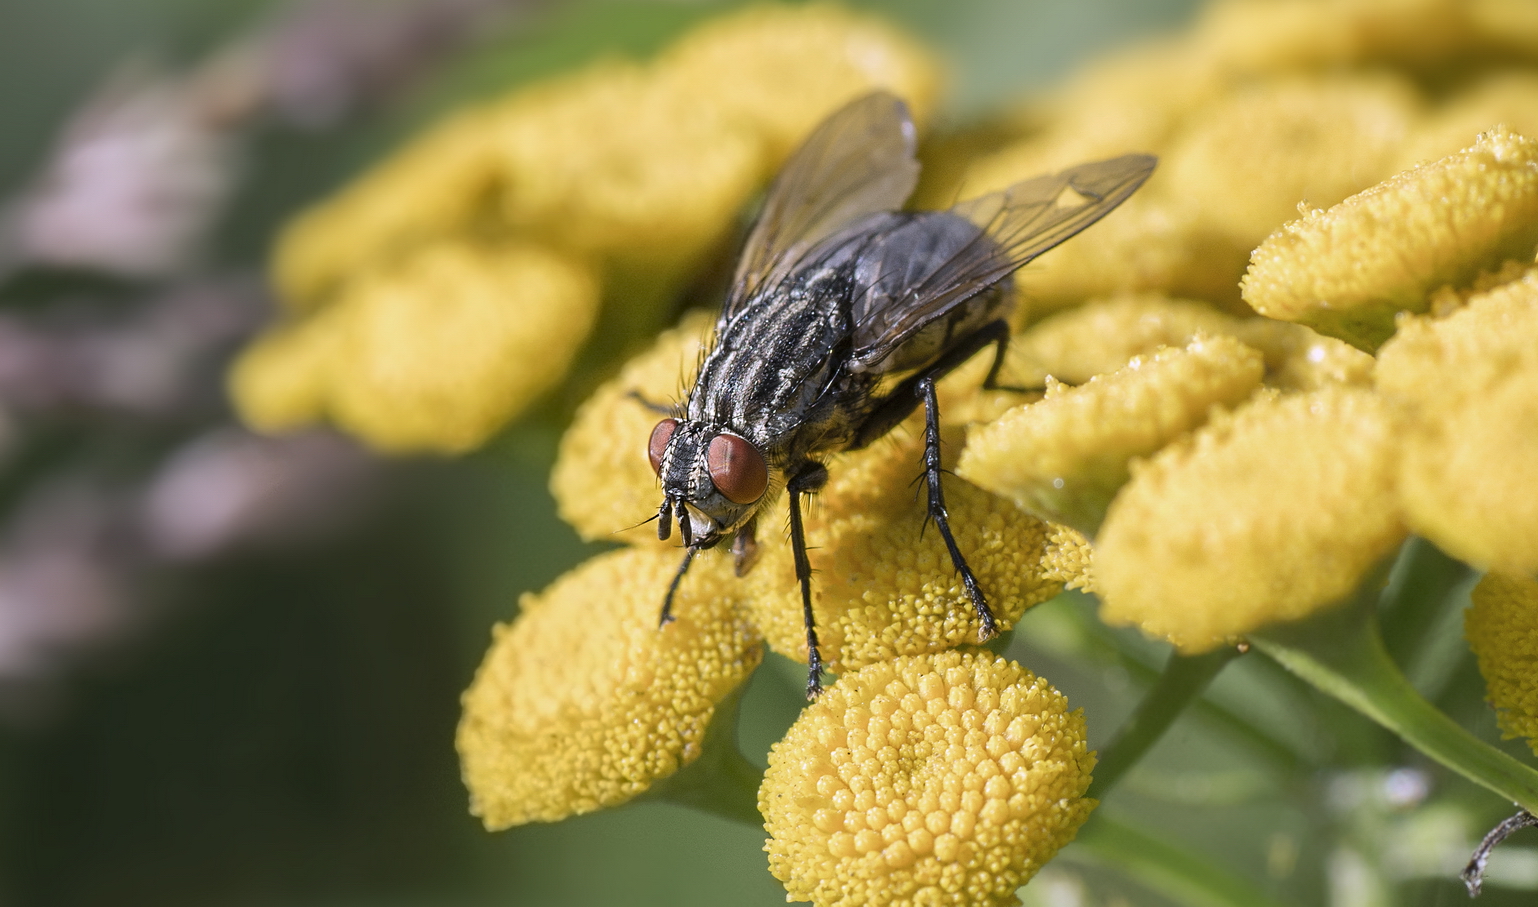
{"x":1184,"y":679}
{"x":1341,"y":653}
{"x":1164,"y":867}
{"x":721,"y":781}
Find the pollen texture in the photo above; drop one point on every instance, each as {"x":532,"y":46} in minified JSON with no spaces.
{"x":930,"y":780}
{"x":1348,"y":270}
{"x":883,"y":584}
{"x":602,"y":483}
{"x":1263,"y":515}
{"x":1066,"y":456}
{"x":1502,"y":629}
{"x":583,"y":702}
{"x":1467,"y":384}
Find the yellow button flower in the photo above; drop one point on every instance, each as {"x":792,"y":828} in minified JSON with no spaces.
{"x":439,"y":351}
{"x":1260,"y":516}
{"x":1510,"y":98}
{"x":783,"y":68}
{"x":883,"y":586}
{"x":1247,"y":160}
{"x":1502,"y":629}
{"x":942,"y":779}
{"x":1468,"y":385}
{"x":434,"y":352}
{"x":282,"y":380}
{"x":618,"y":160}
{"x":1349,"y":270}
{"x":1104,"y":334}
{"x":432,"y":187}
{"x":583,"y":702}
{"x":602,"y":483}
{"x":1065,"y":457}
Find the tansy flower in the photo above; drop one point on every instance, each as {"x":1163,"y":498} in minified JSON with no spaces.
{"x":1510,"y":98}
{"x":582,"y":702}
{"x":1103,"y":335}
{"x":1246,"y":159}
{"x":1065,"y":457}
{"x":1502,"y":629}
{"x":630,"y":172}
{"x":1349,"y":270}
{"x":432,"y":187}
{"x":1468,"y":386}
{"x":883,"y":587}
{"x":433,"y":352}
{"x":602,"y":483}
{"x":1263,"y":515}
{"x":935,"y":779}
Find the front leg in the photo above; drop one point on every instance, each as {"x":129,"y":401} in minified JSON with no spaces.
{"x":926,"y":392}
{"x":808,"y":479}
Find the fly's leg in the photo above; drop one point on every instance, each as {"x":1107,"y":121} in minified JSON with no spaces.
{"x":658,"y":408}
{"x":745,"y":549}
{"x":808,"y":479}
{"x":926,"y":392}
{"x":667,"y":602}
{"x":890,"y":410}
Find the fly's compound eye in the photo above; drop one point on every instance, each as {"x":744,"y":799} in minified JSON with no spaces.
{"x":658,"y":445}
{"x":737,"y":469}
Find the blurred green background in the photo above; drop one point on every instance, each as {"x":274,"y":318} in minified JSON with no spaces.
{"x":275,"y":725}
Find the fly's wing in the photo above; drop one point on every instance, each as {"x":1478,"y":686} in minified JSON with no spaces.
{"x":858,"y":162}
{"x":1016,"y":225}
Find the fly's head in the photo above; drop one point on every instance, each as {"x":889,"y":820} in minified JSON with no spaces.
{"x":713,"y":480}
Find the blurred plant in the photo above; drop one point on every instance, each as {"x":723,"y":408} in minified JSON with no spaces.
{"x":1224,"y":482}
{"x":135,"y":190}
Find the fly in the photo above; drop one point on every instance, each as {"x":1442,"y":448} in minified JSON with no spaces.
{"x":836,"y":291}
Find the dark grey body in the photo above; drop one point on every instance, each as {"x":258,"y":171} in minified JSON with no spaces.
{"x":792,"y":370}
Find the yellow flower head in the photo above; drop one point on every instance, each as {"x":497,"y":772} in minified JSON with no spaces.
{"x":583,"y":702}
{"x":1510,"y":98}
{"x":937,"y":779}
{"x":617,"y":160}
{"x":602,"y":483}
{"x":282,"y":380}
{"x":883,"y":585}
{"x":1065,"y":457}
{"x":1246,"y":160}
{"x":432,"y":187}
{"x":1468,"y":385}
{"x":1103,"y":335}
{"x":1260,"y":516}
{"x":1349,"y":270}
{"x":783,"y":68}
{"x":1502,"y":629}
{"x":435,"y":352}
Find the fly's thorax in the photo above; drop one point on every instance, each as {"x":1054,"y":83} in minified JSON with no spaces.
{"x":720,"y":475}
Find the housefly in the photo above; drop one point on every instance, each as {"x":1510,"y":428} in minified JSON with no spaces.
{"x":843,"y":313}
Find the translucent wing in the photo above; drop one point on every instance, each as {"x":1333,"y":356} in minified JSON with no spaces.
{"x":1015,"y":225}
{"x":858,"y":162}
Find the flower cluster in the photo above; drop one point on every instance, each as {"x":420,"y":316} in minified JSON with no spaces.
{"x":446,"y":289}
{"x":1206,"y":470}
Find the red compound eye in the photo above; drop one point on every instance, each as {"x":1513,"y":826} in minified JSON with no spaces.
{"x":737,"y":468}
{"x":658,"y":445}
